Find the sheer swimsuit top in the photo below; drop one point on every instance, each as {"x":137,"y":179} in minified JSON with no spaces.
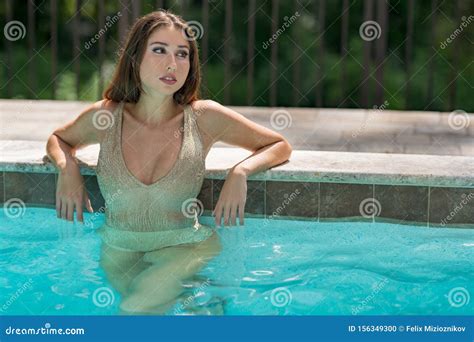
{"x":147,"y":217}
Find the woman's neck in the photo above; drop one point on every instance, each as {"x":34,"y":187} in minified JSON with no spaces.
{"x":154,"y":111}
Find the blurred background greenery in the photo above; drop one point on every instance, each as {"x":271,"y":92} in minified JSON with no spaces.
{"x":452,"y":66}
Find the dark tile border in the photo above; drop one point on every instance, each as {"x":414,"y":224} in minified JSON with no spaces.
{"x":2,"y":186}
{"x":347,"y":200}
{"x":31,"y":188}
{"x":403,"y":203}
{"x":296,"y":199}
{"x":414,"y":205}
{"x":450,"y":206}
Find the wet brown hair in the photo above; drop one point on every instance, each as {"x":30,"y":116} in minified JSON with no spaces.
{"x":126,"y":85}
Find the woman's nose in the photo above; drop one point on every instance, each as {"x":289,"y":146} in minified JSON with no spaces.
{"x":171,"y":65}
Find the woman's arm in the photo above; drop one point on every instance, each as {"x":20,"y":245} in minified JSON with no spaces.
{"x":80,"y":132}
{"x":269,"y":147}
{"x":61,"y":146}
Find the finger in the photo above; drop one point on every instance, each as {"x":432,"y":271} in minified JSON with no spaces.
{"x":79,"y":214}
{"x":58,"y":207}
{"x":63,"y":209}
{"x":233,"y":214}
{"x":87,"y":202}
{"x":70,"y":210}
{"x":241,"y":213}
{"x":218,"y":214}
{"x":226,"y":214}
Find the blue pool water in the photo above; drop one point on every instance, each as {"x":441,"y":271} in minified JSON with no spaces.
{"x":277,"y":267}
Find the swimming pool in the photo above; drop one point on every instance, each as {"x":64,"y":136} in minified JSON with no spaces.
{"x":268,"y":267}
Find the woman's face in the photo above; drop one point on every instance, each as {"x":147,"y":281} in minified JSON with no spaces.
{"x":166,"y":56}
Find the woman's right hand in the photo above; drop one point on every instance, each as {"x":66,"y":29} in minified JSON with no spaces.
{"x":71,"y":193}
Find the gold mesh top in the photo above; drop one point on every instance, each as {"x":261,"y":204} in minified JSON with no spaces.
{"x":142,"y":217}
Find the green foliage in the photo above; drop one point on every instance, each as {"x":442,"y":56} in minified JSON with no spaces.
{"x":298,"y":49}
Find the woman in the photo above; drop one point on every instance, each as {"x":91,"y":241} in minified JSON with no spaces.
{"x":154,"y":134}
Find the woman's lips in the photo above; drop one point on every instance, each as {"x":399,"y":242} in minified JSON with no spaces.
{"x":167,"y":81}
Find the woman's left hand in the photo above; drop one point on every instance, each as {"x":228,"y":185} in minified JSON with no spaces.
{"x":232,"y":199}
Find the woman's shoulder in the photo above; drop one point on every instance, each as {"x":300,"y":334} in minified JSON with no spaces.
{"x":102,"y":114}
{"x":203,"y":108}
{"x":106,"y":104}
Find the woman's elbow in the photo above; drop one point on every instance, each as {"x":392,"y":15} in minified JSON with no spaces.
{"x":288,"y":149}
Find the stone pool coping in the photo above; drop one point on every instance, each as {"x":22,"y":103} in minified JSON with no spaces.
{"x":303,"y":166}
{"x":425,"y":190}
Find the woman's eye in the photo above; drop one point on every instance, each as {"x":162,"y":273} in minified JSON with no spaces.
{"x":159,"y":50}
{"x":183,"y":54}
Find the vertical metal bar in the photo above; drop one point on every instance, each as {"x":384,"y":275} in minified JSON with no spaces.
{"x":274,"y":56}
{"x":227,"y":50}
{"x":344,"y":39}
{"x":431,"y":65}
{"x":136,"y":9}
{"x":32,"y":72}
{"x":250,"y":52}
{"x":182,"y":8}
{"x":381,"y":46}
{"x":296,"y":79}
{"x":320,"y":53}
{"x":101,"y":14}
{"x":455,"y":60}
{"x":124,"y":21}
{"x":77,"y":48}
{"x":54,"y":46}
{"x":408,"y":51}
{"x":368,"y":46}
{"x":9,"y":57}
{"x":205,"y":43}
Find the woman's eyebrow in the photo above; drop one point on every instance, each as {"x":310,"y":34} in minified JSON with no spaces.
{"x":165,"y":44}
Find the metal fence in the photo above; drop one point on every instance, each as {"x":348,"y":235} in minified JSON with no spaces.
{"x":371,"y":89}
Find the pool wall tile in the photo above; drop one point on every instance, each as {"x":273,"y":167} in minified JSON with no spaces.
{"x":422,"y":205}
{"x":205,"y":195}
{"x":31,"y":188}
{"x":255,"y":203}
{"x":403,"y":203}
{"x":451,"y":206}
{"x":2,"y":186}
{"x":93,"y":190}
{"x":344,"y":200}
{"x":292,"y":199}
